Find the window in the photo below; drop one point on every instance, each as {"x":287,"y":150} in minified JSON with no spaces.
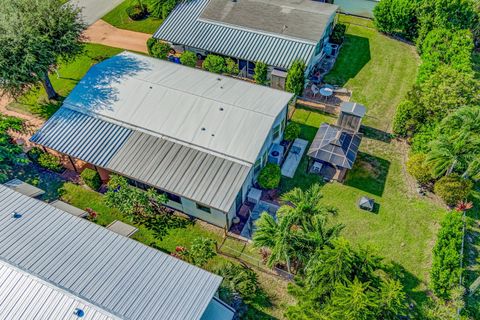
{"x":173,"y":197}
{"x":276,"y":131}
{"x":203,"y":208}
{"x":258,"y":166}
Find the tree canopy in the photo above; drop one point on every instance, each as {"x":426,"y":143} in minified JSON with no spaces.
{"x":34,"y":35}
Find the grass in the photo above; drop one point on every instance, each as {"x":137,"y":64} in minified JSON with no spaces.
{"x":276,"y":289}
{"x":403,"y":227}
{"x":118,"y":18}
{"x":378,"y":69}
{"x":35,"y":101}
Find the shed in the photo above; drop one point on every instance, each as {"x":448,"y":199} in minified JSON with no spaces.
{"x":366,"y":203}
{"x":351,"y":115}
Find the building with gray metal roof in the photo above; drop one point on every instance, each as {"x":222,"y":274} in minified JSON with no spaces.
{"x":198,"y":136}
{"x":275,"y":32}
{"x":53,"y":264}
{"x":335,"y":146}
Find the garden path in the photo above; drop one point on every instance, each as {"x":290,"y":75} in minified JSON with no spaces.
{"x":106,"y":34}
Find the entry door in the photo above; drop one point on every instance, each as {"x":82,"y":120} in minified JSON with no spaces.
{"x":239,"y":200}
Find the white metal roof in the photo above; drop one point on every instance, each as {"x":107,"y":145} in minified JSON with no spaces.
{"x":26,"y":297}
{"x":116,"y":274}
{"x":218,"y":114}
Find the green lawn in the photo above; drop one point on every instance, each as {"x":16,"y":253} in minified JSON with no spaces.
{"x":119,"y":18}
{"x":35,"y":101}
{"x":378,"y":69}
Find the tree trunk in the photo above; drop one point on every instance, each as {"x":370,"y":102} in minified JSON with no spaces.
{"x":51,"y":93}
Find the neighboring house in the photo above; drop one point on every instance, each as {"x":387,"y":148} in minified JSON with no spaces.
{"x":275,"y":32}
{"x":199,"y":137}
{"x":57,"y":266}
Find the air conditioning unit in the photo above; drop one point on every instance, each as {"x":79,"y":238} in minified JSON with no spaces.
{"x":276,"y":154}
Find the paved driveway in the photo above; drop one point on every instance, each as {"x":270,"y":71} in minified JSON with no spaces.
{"x":95,"y":9}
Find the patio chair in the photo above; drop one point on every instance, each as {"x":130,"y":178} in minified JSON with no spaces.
{"x":315,"y":90}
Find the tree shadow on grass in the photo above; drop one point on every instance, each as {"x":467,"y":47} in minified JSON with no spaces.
{"x":376,"y":134}
{"x":369,"y":174}
{"x":416,"y":299}
{"x":354,"y":55}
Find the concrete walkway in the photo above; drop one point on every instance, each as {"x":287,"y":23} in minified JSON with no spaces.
{"x":92,"y":10}
{"x":106,"y":34}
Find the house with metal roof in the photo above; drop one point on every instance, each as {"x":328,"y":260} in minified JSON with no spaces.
{"x":199,"y":137}
{"x":275,"y":32}
{"x":54,"y":265}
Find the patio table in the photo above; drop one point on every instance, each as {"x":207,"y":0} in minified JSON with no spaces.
{"x":326,"y":92}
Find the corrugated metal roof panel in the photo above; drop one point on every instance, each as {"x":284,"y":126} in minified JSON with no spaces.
{"x":116,"y":274}
{"x":183,"y":26}
{"x":179,"y":169}
{"x":81,"y":136}
{"x":26,"y":297}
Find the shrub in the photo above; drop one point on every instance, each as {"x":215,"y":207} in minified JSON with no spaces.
{"x":136,"y":12}
{"x":50,"y":162}
{"x":296,"y":77}
{"x":452,"y":189}
{"x":261,"y":73}
{"x":91,"y":178}
{"x":238,"y":279}
{"x":420,"y":143}
{"x":418,"y":169}
{"x":35,"y":153}
{"x":155,"y":8}
{"x":446,"y":270}
{"x":397,"y":17}
{"x":292,"y":131}
{"x":214,"y":63}
{"x":269,"y":177}
{"x":202,"y":250}
{"x":231,"y":67}
{"x":167,"y":7}
{"x":188,"y":58}
{"x":338,"y":33}
{"x":158,"y":49}
{"x":408,"y":118}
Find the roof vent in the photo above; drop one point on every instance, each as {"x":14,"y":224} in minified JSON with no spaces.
{"x":213,"y":134}
{"x":151,"y":87}
{"x":221,"y":109}
{"x":219,"y":79}
{"x":79,"y":312}
{"x":203,"y":129}
{"x":221,"y":87}
{"x":16,"y":215}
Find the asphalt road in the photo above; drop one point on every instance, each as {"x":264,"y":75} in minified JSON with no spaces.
{"x":92,"y":10}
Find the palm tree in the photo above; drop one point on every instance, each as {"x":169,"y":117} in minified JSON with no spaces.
{"x":458,"y":145}
{"x":299,"y":230}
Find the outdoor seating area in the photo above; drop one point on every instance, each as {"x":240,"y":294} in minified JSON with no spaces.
{"x":326,"y":94}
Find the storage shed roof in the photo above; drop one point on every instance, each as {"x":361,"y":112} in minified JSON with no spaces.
{"x":109,"y":272}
